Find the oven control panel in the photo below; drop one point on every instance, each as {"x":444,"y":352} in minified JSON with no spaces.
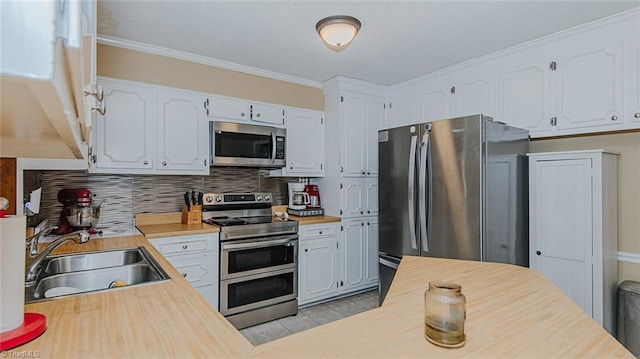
{"x":236,"y":198}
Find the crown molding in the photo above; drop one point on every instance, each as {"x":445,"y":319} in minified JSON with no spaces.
{"x":204,"y":60}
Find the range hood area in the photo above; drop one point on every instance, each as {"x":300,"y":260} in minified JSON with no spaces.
{"x":47,"y":82}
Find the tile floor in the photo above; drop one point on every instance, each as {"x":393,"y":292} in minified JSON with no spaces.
{"x":310,"y":317}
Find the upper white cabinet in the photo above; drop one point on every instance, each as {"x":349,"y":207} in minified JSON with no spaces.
{"x":578,"y":81}
{"x":632,"y":67}
{"x":305,"y":144}
{"x":182,"y":134}
{"x":48,"y":78}
{"x":523,"y":91}
{"x":237,"y":110}
{"x":573,"y":227}
{"x":150,"y":129}
{"x":587,"y":82}
{"x":124,"y":137}
{"x":361,"y":117}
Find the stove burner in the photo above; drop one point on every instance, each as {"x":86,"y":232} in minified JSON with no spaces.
{"x":227,"y":221}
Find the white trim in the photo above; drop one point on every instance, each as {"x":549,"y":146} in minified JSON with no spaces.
{"x":204,"y":60}
{"x":629,"y":257}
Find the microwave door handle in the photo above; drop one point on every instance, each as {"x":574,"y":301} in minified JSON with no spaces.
{"x":273,"y":147}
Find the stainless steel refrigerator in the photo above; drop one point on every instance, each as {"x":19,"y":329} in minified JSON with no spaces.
{"x":453,"y":188}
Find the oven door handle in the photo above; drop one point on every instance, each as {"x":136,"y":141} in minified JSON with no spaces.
{"x":267,"y":242}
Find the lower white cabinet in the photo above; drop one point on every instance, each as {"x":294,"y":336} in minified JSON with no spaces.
{"x":318,"y":262}
{"x":573,"y":227}
{"x":337,"y":259}
{"x":196,"y":257}
{"x":360,"y":253}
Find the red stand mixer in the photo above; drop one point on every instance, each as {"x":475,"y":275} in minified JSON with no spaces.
{"x":78,"y":210}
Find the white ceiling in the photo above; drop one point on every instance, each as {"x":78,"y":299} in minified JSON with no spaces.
{"x":399,"y":40}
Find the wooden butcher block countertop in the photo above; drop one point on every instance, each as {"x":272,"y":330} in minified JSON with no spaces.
{"x":511,"y":312}
{"x":307,"y":220}
{"x":156,"y":225}
{"x":160,"y":320}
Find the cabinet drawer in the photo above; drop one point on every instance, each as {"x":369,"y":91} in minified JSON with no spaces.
{"x":317,"y":231}
{"x":184,"y":244}
{"x":199,"y":269}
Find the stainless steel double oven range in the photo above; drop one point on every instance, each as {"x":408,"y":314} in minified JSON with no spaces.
{"x":258,"y":258}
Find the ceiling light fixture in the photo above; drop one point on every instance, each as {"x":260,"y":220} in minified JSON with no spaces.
{"x":338,"y":31}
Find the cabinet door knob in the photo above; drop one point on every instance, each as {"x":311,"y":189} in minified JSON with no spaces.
{"x":363,"y":172}
{"x":319,"y":232}
{"x":185,"y":246}
{"x":361,"y":212}
{"x":184,"y":275}
{"x":368,"y":173}
{"x":538,"y":252}
{"x":362,"y":224}
{"x":241,"y":114}
{"x":258,"y":114}
{"x":368,"y":211}
{"x":145,"y":162}
{"x":164,"y":163}
{"x":614,"y":118}
{"x":306,"y":249}
{"x":636,"y":115}
{"x":290,"y":167}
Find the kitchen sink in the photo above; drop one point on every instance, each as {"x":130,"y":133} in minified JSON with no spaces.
{"x":92,"y":260}
{"x":74,"y":274}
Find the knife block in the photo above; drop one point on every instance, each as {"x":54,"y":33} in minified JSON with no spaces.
{"x":192,"y":215}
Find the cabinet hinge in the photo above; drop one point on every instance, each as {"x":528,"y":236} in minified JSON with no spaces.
{"x":282,"y":113}
{"x":341,"y":169}
{"x":341,"y":99}
{"x":384,"y":106}
{"x":337,"y":244}
{"x":341,"y":228}
{"x":205,"y":162}
{"x":321,"y":167}
{"x":340,"y":185}
{"x":340,"y":212}
{"x":390,"y":106}
{"x":553,"y":66}
{"x":251,"y":111}
{"x":321,"y":121}
{"x":452,"y":90}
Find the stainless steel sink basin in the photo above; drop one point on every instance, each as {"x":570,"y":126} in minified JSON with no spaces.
{"x":74,"y":274}
{"x":92,"y":260}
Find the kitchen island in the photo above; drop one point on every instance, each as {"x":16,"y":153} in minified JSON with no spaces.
{"x":512,"y":312}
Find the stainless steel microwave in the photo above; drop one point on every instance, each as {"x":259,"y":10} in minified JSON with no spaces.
{"x":234,"y":144}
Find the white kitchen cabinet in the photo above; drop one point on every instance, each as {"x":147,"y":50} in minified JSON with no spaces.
{"x":305,"y":144}
{"x":196,"y":257}
{"x":48,"y":56}
{"x":472,"y":92}
{"x":633,"y":68}
{"x":183,"y":132}
{"x":587,"y":82}
{"x":359,"y":197}
{"x":362,"y":116}
{"x":360,"y":254}
{"x":124,"y":137}
{"x":523,"y":91}
{"x":573,"y":227}
{"x":319,"y":263}
{"x":150,"y":129}
{"x":230,"y":109}
{"x":402,"y":110}
{"x":435,"y":100}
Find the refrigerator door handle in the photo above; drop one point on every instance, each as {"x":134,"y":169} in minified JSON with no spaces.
{"x":422,"y":188}
{"x":388,"y":263}
{"x":411,"y":198}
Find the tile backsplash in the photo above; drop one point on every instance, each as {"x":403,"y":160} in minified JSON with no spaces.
{"x":125,"y":196}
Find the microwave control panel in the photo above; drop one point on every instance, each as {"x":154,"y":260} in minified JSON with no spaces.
{"x":279,"y":148}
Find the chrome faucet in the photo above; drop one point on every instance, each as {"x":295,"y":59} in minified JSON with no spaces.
{"x":79,"y":237}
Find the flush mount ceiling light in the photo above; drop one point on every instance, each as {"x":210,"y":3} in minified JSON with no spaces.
{"x":338,"y":31}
